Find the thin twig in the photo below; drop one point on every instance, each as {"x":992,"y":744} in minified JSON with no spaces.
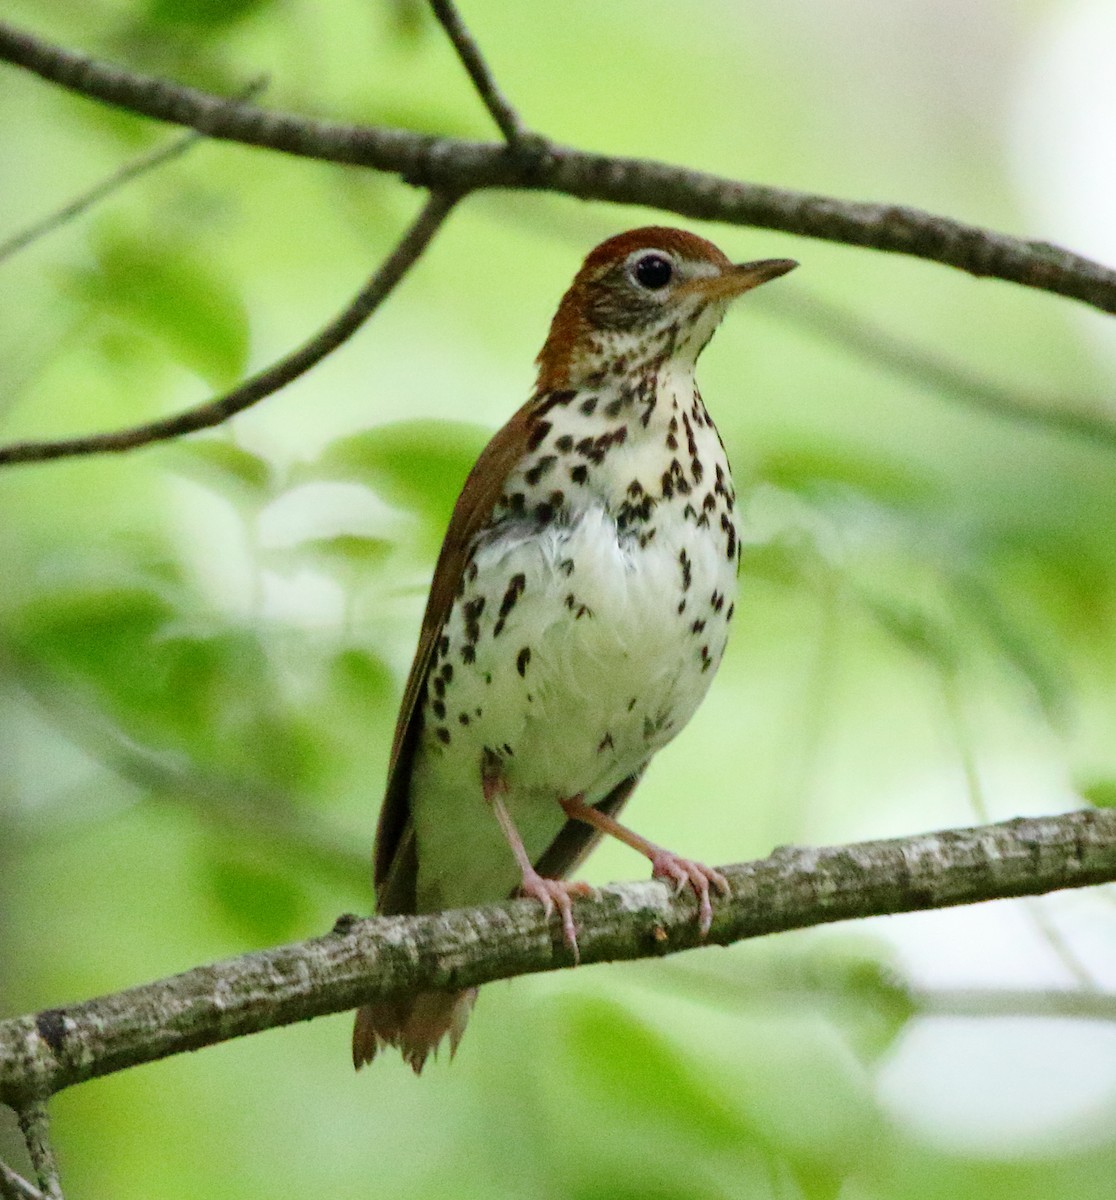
{"x":214,"y":412}
{"x":100,"y":191}
{"x":34,"y":1121}
{"x":506,"y":118}
{"x":15,"y":1187}
{"x":256,"y":810}
{"x":458,"y":166}
{"x":365,"y":960}
{"x":873,"y":343}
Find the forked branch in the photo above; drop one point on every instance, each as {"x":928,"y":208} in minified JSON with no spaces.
{"x":457,"y":166}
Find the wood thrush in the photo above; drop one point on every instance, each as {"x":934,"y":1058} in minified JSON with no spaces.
{"x":579,"y":609}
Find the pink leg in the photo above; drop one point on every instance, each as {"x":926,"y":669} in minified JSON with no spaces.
{"x":664,"y":864}
{"x":551,"y":893}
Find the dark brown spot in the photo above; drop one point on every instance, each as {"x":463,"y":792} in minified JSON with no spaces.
{"x":439,"y":710}
{"x":463,"y":718}
{"x":697,"y":626}
{"x":538,"y":433}
{"x":439,"y":686}
{"x":580,"y":473}
{"x":564,"y":443}
{"x":588,"y":406}
{"x":443,"y":735}
{"x":522,"y":659}
{"x":516,"y":586}
{"x":535,"y":473}
{"x":468,"y":653}
{"x":605,"y":744}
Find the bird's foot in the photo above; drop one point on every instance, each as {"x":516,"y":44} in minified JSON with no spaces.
{"x":683,"y":872}
{"x":556,"y":894}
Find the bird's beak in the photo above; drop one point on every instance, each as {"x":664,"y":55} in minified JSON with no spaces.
{"x":741,"y":278}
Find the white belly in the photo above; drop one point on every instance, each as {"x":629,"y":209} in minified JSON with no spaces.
{"x":590,"y":670}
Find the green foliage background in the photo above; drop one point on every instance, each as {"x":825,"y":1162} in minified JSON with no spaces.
{"x":202,"y":644}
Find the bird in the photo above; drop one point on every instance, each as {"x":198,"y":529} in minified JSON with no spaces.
{"x":579,"y":609}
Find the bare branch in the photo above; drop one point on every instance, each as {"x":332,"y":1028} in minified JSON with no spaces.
{"x":100,"y":191}
{"x":214,"y":412}
{"x":458,"y":166}
{"x":15,"y":1187}
{"x":365,"y":960}
{"x":506,"y":118}
{"x":1073,"y":1003}
{"x":34,"y":1121}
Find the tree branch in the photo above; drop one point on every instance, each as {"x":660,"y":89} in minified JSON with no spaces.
{"x":364,"y":960}
{"x":214,"y":412}
{"x":506,"y":118}
{"x":34,"y":1122}
{"x":457,"y":166}
{"x":15,"y":1187}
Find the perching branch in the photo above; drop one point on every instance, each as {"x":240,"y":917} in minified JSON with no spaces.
{"x":270,"y":380}
{"x":364,"y":960}
{"x":457,"y":166}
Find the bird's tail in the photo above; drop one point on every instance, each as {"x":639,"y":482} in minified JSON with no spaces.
{"x":414,"y":1024}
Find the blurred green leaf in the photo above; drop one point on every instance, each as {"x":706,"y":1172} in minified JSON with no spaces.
{"x":1101,"y":793}
{"x":1018,"y":647}
{"x":916,"y":629}
{"x":814,"y":469}
{"x":203,"y":15}
{"x":235,"y":472}
{"x":172,"y":294}
{"x":418,"y":465}
{"x":262,"y":904}
{"x":348,"y":550}
{"x":101,"y":632}
{"x":629,"y":1066}
{"x":359,"y":675}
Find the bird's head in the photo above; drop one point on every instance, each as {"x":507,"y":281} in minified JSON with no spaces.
{"x":649,"y":293}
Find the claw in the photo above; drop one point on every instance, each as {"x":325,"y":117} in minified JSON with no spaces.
{"x":682,"y":871}
{"x":557,"y":893}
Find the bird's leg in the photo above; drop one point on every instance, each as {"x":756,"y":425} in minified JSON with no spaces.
{"x":664,"y":865}
{"x":551,"y":893}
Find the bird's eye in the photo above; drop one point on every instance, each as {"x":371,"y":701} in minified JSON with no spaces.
{"x":653,"y":271}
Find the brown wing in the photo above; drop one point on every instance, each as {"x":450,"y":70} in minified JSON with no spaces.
{"x":396,"y":863}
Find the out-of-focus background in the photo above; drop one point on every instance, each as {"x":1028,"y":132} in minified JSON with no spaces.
{"x":202,"y":644}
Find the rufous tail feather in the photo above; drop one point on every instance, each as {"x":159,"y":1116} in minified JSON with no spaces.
{"x":414,"y":1024}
